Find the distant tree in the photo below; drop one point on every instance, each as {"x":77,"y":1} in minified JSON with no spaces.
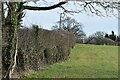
{"x":106,"y":35}
{"x":99,"y":34}
{"x":71,"y":25}
{"x":112,"y":32}
{"x":118,"y":38}
{"x":113,"y":36}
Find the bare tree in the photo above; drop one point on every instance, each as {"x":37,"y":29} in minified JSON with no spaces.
{"x":97,"y":37}
{"x":99,"y":34}
{"x":71,"y":25}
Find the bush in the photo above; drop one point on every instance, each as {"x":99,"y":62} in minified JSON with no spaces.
{"x":42,"y":47}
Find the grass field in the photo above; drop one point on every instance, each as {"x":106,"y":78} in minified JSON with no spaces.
{"x":86,"y":61}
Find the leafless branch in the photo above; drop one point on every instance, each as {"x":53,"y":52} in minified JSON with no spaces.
{"x":45,"y":8}
{"x":69,"y":11}
{"x":95,"y":7}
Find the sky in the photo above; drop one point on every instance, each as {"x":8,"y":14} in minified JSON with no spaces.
{"x":46,"y":19}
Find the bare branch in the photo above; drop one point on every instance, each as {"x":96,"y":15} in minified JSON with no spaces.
{"x":69,"y":11}
{"x":96,"y":7}
{"x":45,"y":8}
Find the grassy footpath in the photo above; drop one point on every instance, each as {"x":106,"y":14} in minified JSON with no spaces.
{"x":86,"y":61}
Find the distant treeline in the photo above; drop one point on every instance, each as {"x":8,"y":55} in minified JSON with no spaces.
{"x":102,"y":38}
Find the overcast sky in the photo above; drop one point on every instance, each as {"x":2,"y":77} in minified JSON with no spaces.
{"x":46,"y":19}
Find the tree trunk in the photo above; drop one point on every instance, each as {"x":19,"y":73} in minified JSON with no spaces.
{"x":10,"y":44}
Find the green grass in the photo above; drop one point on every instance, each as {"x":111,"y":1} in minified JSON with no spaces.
{"x":86,"y":61}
